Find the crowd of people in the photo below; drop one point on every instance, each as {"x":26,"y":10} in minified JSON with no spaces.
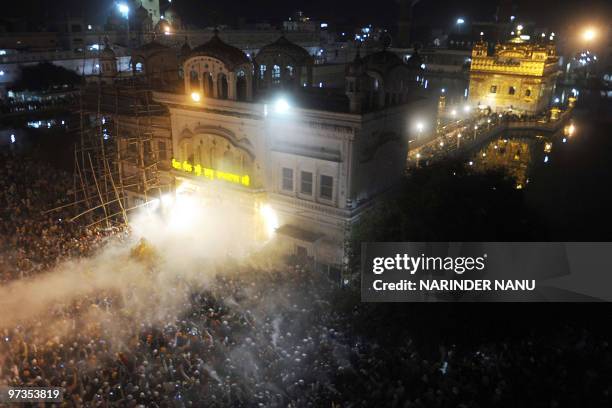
{"x":256,"y":337}
{"x":33,"y":235}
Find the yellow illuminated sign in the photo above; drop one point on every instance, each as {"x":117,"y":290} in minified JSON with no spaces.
{"x":210,"y":174}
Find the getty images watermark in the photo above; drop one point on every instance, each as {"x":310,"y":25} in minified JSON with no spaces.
{"x":485,"y":271}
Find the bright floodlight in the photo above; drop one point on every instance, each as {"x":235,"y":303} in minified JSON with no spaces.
{"x":167,"y":200}
{"x":589,"y":34}
{"x":420,"y":126}
{"x":460,"y":21}
{"x":123,"y":9}
{"x":195,"y":96}
{"x":281,"y":105}
{"x":270,"y":219}
{"x":519,"y":27}
{"x":183,"y":213}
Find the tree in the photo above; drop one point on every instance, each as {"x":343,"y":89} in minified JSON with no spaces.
{"x":46,"y":76}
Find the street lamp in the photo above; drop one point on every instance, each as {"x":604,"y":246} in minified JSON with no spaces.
{"x":460,"y":22}
{"x":124,"y":9}
{"x":420,"y":128}
{"x":281,"y":105}
{"x":196,"y":97}
{"x":589,"y":34}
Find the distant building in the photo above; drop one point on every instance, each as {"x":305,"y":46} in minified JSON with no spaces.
{"x":518,"y":76}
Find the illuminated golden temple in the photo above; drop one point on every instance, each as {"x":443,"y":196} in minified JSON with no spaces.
{"x":519,"y":76}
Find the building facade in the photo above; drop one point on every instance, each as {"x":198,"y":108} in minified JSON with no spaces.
{"x":297,"y":164}
{"x":517,"y":76}
{"x":303,"y":172}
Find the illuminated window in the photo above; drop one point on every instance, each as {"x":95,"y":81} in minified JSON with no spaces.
{"x":139,"y":67}
{"x":493,"y":88}
{"x":262,"y":71}
{"x":290,"y":70}
{"x":287,"y":184}
{"x":276,"y":73}
{"x":511,"y":90}
{"x":326,"y":187}
{"x":306,"y":183}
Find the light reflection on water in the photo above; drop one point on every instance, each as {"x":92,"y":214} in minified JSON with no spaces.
{"x":518,"y":154}
{"x":511,"y":155}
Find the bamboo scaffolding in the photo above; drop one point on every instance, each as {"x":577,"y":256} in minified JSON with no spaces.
{"x":112,"y":173}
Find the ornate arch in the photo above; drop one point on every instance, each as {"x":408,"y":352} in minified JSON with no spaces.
{"x":226,"y":134}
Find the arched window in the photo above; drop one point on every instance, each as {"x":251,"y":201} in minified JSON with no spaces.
{"x":198,"y":155}
{"x":138,"y":67}
{"x":262,"y":71}
{"x":208,"y":85}
{"x":528,"y":92}
{"x":241,"y":87}
{"x":227,"y":163}
{"x":222,"y":85}
{"x":193,"y":80}
{"x":186,"y":151}
{"x":290,"y":70}
{"x":276,"y":73}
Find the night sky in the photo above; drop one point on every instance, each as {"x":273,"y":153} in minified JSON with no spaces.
{"x":433,"y":13}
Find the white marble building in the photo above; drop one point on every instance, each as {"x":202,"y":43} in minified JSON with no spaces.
{"x":310,"y":160}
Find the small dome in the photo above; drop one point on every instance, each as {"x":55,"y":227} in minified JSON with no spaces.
{"x":283,"y":46}
{"x":222,"y":51}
